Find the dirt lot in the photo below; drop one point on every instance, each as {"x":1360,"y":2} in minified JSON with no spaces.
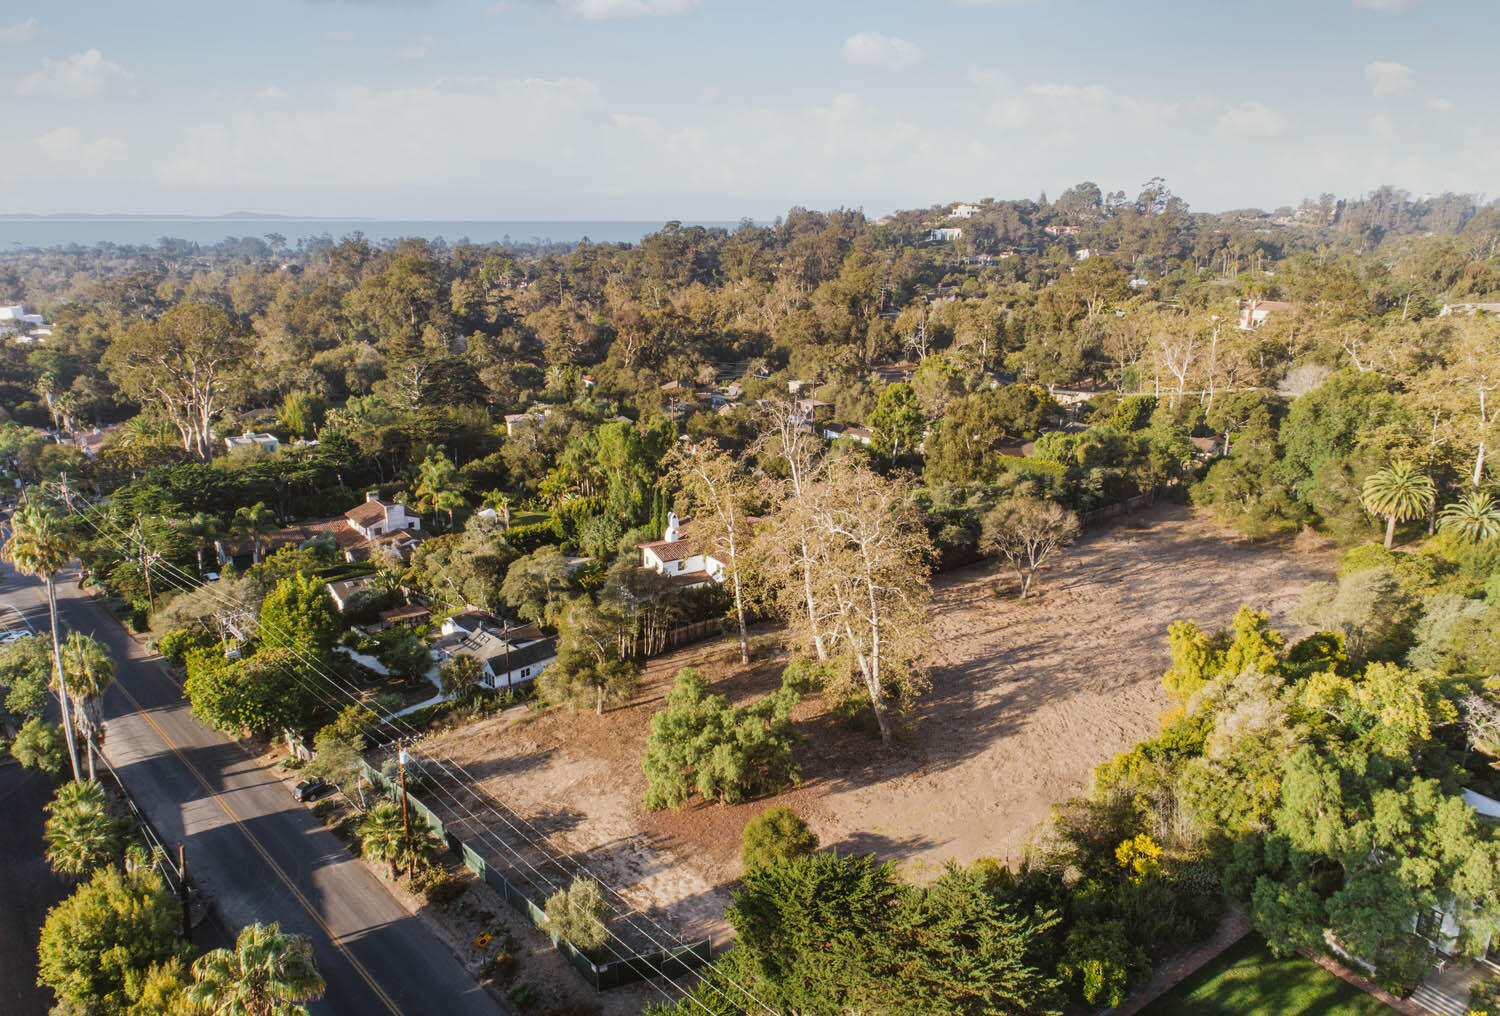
{"x":1026,"y":698}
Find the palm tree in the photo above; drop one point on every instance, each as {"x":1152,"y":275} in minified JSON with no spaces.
{"x":500,"y":501}
{"x":1398,"y":492}
{"x":93,"y":671}
{"x":436,"y":486}
{"x":382,"y":836}
{"x":447,"y":501}
{"x":1476,"y":515}
{"x":203,"y":529}
{"x":254,"y":523}
{"x":81,"y":833}
{"x":38,"y":546}
{"x":267,"y":973}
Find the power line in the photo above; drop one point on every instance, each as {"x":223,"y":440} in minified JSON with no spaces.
{"x":482,"y":828}
{"x":552,"y":857}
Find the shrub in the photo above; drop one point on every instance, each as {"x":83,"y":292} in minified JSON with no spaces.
{"x":579,"y":915}
{"x":437,"y":885}
{"x":363,"y":606}
{"x":522,"y":994}
{"x":41,"y":746}
{"x":1101,"y":961}
{"x":728,"y":753}
{"x":805,"y":676}
{"x":501,"y":967}
{"x":174,"y":645}
{"x":775,"y":836}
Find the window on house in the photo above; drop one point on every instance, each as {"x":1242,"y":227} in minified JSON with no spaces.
{"x":526,"y":672}
{"x":680,"y":565}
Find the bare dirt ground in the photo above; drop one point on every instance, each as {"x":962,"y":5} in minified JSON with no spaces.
{"x":1026,"y":698}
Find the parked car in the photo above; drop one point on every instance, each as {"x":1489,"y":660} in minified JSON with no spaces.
{"x":311,"y":790}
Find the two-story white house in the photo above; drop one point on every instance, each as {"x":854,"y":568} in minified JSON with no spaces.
{"x":374,"y":528}
{"x":377,"y":517}
{"x":677,"y":556}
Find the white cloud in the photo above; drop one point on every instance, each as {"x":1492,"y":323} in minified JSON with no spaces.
{"x":23,"y":31}
{"x":1386,"y":77}
{"x":1440,"y":105}
{"x":609,"y":10}
{"x":1250,"y":120}
{"x":1384,"y":6}
{"x":544,"y":143}
{"x":68,"y":146}
{"x":419,"y":48}
{"x":344,"y":36}
{"x":1382,"y":126}
{"x":80,"y":75}
{"x":871,"y":49}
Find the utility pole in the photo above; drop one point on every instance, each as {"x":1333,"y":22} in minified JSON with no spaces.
{"x":405,"y":821}
{"x":182,"y":894}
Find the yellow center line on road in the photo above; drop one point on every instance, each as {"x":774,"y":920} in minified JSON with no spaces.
{"x":260,"y":849}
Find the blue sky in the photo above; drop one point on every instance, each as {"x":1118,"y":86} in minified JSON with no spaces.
{"x":543,"y":109}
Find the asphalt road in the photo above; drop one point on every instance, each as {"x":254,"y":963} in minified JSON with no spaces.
{"x":27,"y":887}
{"x":258,"y":854}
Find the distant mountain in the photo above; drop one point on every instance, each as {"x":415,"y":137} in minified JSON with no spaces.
{"x":147,"y":218}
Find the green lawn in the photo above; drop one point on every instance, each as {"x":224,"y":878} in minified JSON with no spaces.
{"x":525,"y":518}
{"x":1246,"y":980}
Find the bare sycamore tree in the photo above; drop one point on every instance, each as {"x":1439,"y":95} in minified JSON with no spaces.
{"x":1481,"y":719}
{"x":717,"y":491}
{"x":1124,"y":341}
{"x":1175,"y":350}
{"x":1476,"y":371}
{"x":1026,"y":531}
{"x":871,"y":568}
{"x":185,"y":365}
{"x":786,"y":547}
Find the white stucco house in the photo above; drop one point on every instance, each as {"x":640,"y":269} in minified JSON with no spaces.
{"x":366,"y":530}
{"x":508,"y":654}
{"x":249,"y":438}
{"x":23,"y":327}
{"x":677,"y":556}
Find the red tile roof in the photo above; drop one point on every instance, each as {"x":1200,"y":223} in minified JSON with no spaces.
{"x":671,"y":550}
{"x":366,"y":514}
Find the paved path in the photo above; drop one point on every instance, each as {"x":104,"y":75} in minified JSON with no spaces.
{"x":259,"y":854}
{"x":1233,"y":927}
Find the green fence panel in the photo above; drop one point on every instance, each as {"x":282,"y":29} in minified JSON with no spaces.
{"x":617,"y":972}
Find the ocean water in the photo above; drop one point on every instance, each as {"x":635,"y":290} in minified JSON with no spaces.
{"x":24,"y":232}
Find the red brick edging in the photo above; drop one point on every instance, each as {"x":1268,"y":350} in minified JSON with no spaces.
{"x":1232,"y":928}
{"x":1343,"y":973}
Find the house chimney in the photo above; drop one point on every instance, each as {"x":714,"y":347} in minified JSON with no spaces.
{"x":372,"y":495}
{"x":671,"y":534}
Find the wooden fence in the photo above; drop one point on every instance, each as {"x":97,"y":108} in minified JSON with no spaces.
{"x":1127,"y":507}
